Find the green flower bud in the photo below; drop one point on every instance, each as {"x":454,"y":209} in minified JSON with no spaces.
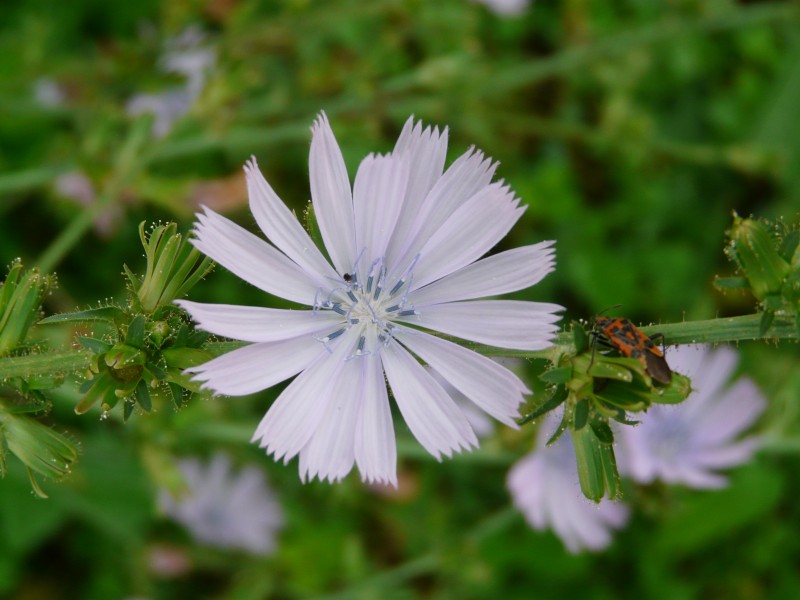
{"x":21,"y":297}
{"x":42,"y":450}
{"x":754,"y":250}
{"x":173,"y":268}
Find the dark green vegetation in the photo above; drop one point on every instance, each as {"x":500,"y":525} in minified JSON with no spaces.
{"x":631,"y":129}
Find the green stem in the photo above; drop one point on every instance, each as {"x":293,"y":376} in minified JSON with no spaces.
{"x":70,"y":236}
{"x":129,"y":162}
{"x":46,"y":363}
{"x":710,"y":331}
{"x":725,"y":329}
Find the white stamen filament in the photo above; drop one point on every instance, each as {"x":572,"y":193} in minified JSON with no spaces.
{"x":370,"y":306}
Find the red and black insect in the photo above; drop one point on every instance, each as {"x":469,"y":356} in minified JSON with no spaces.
{"x":629,"y":341}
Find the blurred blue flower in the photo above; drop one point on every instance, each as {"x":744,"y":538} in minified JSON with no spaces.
{"x":678,"y":444}
{"x":223,"y":508}
{"x":544,"y":487}
{"x":688,"y":442}
{"x":506,"y":8}
{"x":187,"y":56}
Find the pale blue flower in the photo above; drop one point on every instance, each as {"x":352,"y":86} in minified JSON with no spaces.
{"x":186,"y":55}
{"x":687,"y":443}
{"x":223,"y":508}
{"x":405,"y":245}
{"x":544,"y":487}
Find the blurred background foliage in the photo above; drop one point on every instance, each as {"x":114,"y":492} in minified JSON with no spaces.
{"x":631,"y":129}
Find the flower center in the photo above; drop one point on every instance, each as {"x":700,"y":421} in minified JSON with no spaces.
{"x":368,"y":300}
{"x":670,"y":437}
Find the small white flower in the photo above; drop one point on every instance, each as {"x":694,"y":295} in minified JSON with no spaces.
{"x":544,"y":487}
{"x":166,"y":107}
{"x":506,"y":8}
{"x":185,"y":55}
{"x":49,"y":93}
{"x":688,"y":442}
{"x":225,"y":509}
{"x":406,"y":245}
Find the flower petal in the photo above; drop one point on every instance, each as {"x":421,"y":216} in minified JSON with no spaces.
{"x":730,"y":455}
{"x":378,"y":195}
{"x":282,"y":228}
{"x":331,"y":196}
{"x":257,"y":324}
{"x":252,"y":259}
{"x":735,"y":409}
{"x":470,"y":232}
{"x":258,"y":366}
{"x":503,"y":323}
{"x":295,"y":415}
{"x":330,"y":453}
{"x":489,"y":385}
{"x":469,"y":174}
{"x":424,"y":151}
{"x":375,"y":447}
{"x":501,"y":273}
{"x":429,"y":412}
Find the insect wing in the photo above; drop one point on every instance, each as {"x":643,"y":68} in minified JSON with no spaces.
{"x":657,"y":367}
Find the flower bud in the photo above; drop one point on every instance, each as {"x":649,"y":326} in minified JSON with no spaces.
{"x":173,"y":267}
{"x":42,"y":450}
{"x":21,"y":297}
{"x":753,"y":248}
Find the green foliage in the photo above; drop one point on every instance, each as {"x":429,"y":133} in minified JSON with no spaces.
{"x":631,"y":130}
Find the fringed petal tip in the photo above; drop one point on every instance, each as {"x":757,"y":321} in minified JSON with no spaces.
{"x":320,"y":122}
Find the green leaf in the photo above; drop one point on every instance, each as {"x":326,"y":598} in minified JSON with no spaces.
{"x":605,"y":369}
{"x":552,"y":403}
{"x":579,"y":337}
{"x":559,"y":375}
{"x":158,"y":373}
{"x":183,"y":358}
{"x":562,"y":427}
{"x":597,"y":467}
{"x":177,"y":395}
{"x":581,"y":415}
{"x":731,"y":283}
{"x":95,"y":345}
{"x":633,"y":396}
{"x":602,"y":431}
{"x":111,"y":314}
{"x":135,"y":335}
{"x":127,"y":409}
{"x":790,"y":245}
{"x":135,"y":281}
{"x":143,"y":396}
{"x":102,"y":390}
